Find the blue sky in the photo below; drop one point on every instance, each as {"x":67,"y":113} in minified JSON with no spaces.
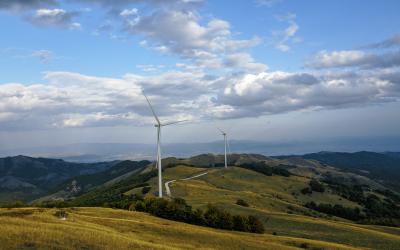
{"x":286,"y":69}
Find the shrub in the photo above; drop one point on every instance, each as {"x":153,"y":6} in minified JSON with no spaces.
{"x":145,"y":190}
{"x":304,"y":245}
{"x":241,"y":202}
{"x":306,"y":190}
{"x":317,"y":186}
{"x":61,"y":214}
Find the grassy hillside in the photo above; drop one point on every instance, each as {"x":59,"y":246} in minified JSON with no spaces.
{"x":294,"y":198}
{"x":81,"y":184}
{"x":102,"y":228}
{"x":377,"y":166}
{"x":278,"y":202}
{"x":26,"y":178}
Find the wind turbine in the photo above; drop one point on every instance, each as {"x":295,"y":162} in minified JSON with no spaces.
{"x":158,"y":125}
{"x":226,"y":143}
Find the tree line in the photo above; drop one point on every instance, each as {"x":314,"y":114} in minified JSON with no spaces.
{"x":178,"y":210}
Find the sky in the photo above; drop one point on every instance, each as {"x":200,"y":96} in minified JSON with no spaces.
{"x":266,"y":70}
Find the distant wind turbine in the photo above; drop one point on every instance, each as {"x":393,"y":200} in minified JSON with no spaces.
{"x":226,"y":144}
{"x":158,"y":125}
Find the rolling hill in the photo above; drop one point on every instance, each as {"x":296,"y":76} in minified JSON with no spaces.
{"x":26,"y":178}
{"x":382,"y":167}
{"x":302,"y":203}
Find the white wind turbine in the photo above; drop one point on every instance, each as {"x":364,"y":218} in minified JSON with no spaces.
{"x":158,"y":125}
{"x":226,"y":145}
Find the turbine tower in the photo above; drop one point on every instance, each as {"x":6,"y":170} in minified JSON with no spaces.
{"x":226,"y":143}
{"x":158,"y":125}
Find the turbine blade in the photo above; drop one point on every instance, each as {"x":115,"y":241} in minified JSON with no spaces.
{"x":152,"y":110}
{"x":220,"y":130}
{"x":170,"y":123}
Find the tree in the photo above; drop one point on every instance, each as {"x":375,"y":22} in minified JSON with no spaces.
{"x":240,"y":223}
{"x":255,"y":225}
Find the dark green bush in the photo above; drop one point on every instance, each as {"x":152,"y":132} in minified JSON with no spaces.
{"x":317,"y":186}
{"x":306,"y":190}
{"x":337,"y":210}
{"x":145,"y":190}
{"x":241,"y":202}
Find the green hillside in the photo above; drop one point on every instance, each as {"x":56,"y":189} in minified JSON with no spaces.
{"x":378,"y":166}
{"x":26,"y":178}
{"x":293,"y":197}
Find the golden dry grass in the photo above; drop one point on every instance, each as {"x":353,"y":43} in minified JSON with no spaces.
{"x":102,"y":228}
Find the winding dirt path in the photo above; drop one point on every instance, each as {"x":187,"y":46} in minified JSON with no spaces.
{"x":168,"y":190}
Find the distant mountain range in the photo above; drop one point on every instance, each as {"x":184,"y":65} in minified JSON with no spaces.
{"x":96,"y":152}
{"x":27,"y":178}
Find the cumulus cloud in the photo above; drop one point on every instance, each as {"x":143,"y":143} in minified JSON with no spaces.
{"x":69,"y":99}
{"x":354,"y":58}
{"x":385,"y":55}
{"x":278,"y":92}
{"x":180,"y":32}
{"x":150,"y":67}
{"x":244,"y":61}
{"x":23,"y":5}
{"x":55,"y":17}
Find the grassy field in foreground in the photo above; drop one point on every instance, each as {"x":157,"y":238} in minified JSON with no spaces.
{"x":103,"y":228}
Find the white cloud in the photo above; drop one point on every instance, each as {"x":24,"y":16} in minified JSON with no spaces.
{"x":325,"y":59}
{"x":180,"y":32}
{"x":268,"y":3}
{"x":45,"y":56}
{"x":73,"y":100}
{"x":23,"y":5}
{"x":354,"y":58}
{"x":393,"y":41}
{"x":287,"y":36}
{"x":244,"y":61}
{"x":56,"y":18}
{"x":150,"y":67}
{"x":75,"y":26}
{"x":278,"y":92}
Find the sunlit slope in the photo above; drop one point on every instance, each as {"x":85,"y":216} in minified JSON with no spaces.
{"x":102,"y":228}
{"x":277,"y":201}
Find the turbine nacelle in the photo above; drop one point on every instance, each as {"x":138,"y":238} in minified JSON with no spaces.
{"x":226,"y":145}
